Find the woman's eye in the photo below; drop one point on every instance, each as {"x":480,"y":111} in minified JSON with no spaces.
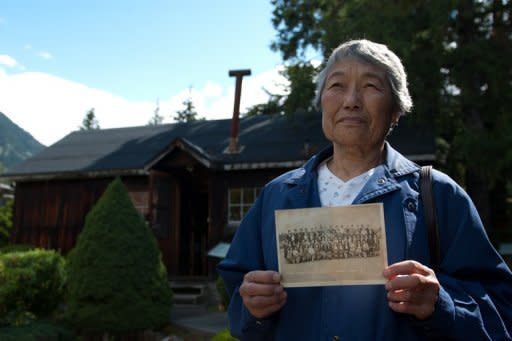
{"x":374,"y":86}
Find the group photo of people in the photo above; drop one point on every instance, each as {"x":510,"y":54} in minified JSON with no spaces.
{"x":308,"y":244}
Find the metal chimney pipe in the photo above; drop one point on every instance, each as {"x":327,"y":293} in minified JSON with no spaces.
{"x":233,"y":139}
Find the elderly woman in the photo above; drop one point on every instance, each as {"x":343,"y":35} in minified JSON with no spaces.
{"x":362,"y":93}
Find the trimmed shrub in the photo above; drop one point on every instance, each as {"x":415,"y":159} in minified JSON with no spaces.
{"x":31,"y":281}
{"x":224,"y":335}
{"x":116,"y":279}
{"x":223,"y":294}
{"x":36,"y":331}
{"x":6,"y":221}
{"x":10,"y":248}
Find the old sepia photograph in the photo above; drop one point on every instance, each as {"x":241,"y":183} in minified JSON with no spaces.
{"x":342,"y":245}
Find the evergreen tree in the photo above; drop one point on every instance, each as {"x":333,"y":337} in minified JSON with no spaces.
{"x":90,"y":122}
{"x":188,"y":113}
{"x":302,"y":88}
{"x":116,"y":279}
{"x":298,"y":94}
{"x":156,"y":119}
{"x":458,"y":55}
{"x":272,"y":107}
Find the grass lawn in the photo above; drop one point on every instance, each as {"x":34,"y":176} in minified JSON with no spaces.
{"x":186,"y":334}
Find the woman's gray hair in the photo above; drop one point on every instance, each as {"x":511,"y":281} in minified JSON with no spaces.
{"x":374,"y":54}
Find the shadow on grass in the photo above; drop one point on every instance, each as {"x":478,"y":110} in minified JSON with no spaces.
{"x":186,"y":334}
{"x":37,"y":330}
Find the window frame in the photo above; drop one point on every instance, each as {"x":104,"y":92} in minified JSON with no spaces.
{"x":243,"y":206}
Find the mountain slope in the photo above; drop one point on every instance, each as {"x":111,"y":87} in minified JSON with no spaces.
{"x":16,"y":144}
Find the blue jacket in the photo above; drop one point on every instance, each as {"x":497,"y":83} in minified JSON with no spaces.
{"x":475,"y":299}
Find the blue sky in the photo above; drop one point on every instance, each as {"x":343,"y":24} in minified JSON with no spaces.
{"x":60,"y":58}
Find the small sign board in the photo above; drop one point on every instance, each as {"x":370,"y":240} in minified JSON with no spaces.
{"x":220,"y":250}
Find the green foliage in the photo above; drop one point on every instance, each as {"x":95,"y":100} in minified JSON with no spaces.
{"x":223,"y":335}
{"x":272,"y":107}
{"x":31,"y":281}
{"x":116,"y":279}
{"x":223,"y":294}
{"x":299,"y":93}
{"x":90,"y":122}
{"x":187,"y":114}
{"x":458,"y":55}
{"x":36,"y":330}
{"x":296,"y":22}
{"x":10,"y":248}
{"x":17,"y":318}
{"x":302,"y":88}
{"x":412,"y":29}
{"x":6,"y":221}
{"x":156,"y":119}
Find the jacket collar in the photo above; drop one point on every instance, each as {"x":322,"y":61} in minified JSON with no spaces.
{"x":395,"y":165}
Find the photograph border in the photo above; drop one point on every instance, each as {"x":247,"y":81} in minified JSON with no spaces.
{"x":315,"y":249}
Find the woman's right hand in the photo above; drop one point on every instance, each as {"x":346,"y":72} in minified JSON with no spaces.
{"x":262,"y":293}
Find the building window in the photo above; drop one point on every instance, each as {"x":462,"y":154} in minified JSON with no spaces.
{"x":240,"y":199}
{"x":140,"y":200}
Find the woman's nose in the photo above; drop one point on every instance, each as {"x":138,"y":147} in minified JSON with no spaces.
{"x":352,"y":99}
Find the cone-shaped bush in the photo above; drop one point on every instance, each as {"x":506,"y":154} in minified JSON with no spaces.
{"x":116,"y":279}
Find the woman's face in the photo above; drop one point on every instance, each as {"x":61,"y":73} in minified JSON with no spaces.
{"x":357,"y":105}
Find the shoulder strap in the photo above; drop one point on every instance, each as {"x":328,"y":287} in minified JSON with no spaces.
{"x":430,"y":216}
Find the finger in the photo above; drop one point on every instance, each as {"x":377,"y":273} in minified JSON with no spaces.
{"x":419,"y":293}
{"x":412,"y":296}
{"x":404,"y":282}
{"x":267,"y":311}
{"x":421,"y":311}
{"x":256,"y":289}
{"x":260,"y":276}
{"x":277,"y":306}
{"x":259,"y":308}
{"x":414,"y":282}
{"x":405,"y":268}
{"x":400,"y":296}
{"x":262,"y":302}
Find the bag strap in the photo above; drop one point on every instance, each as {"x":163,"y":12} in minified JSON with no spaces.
{"x":430,"y":215}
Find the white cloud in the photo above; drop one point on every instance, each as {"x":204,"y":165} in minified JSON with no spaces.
{"x":212,"y":89}
{"x":50,"y":107}
{"x":215,"y":102}
{"x":45,"y":55}
{"x":27,"y":47}
{"x":7,"y":60}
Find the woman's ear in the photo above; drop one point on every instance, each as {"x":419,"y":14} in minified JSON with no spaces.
{"x":395,"y":118}
{"x":394,"y":122}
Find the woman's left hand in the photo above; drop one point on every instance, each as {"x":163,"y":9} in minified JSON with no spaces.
{"x":412,"y":288}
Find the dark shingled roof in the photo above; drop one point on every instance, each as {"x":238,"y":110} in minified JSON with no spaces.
{"x":266,"y":141}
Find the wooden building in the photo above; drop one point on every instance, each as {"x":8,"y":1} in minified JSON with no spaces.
{"x":6,"y":193}
{"x":185,"y":179}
